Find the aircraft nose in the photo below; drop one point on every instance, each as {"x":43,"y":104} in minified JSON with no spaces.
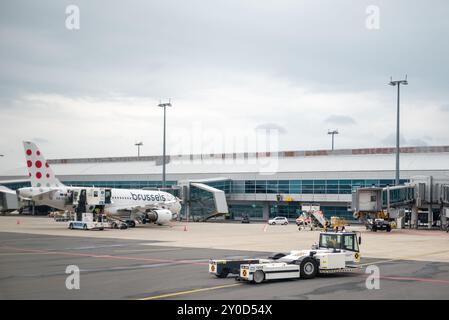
{"x":176,"y":207}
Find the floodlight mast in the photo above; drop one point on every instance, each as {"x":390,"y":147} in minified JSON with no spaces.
{"x":398,"y":84}
{"x":138,"y":144}
{"x":164,"y":105}
{"x":333,"y":133}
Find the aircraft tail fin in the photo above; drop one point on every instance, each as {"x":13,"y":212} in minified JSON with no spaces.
{"x":39,"y":171}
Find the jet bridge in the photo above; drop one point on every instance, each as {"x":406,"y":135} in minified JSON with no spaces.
{"x":426,"y":195}
{"x":8,"y":199}
{"x":204,"y":199}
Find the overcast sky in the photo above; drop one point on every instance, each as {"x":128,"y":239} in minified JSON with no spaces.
{"x":229,"y":67}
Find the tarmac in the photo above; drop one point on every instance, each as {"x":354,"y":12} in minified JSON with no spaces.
{"x":34,"y":267}
{"x":421,"y":245}
{"x":152,"y":262}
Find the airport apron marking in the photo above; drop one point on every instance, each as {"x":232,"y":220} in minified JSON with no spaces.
{"x":179,"y":293}
{"x":105,"y":256}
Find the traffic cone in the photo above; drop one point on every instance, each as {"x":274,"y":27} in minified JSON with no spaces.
{"x":18,"y":222}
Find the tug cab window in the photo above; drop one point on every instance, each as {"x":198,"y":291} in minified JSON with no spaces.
{"x":330,"y":241}
{"x":350,"y":243}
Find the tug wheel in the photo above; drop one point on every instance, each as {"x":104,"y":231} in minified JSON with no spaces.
{"x":259,"y":276}
{"x":308,"y":268}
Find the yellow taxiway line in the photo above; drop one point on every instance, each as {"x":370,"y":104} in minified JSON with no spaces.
{"x":180,"y":293}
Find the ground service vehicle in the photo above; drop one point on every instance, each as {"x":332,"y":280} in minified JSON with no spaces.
{"x":86,"y":223}
{"x":245,"y":218}
{"x":378,"y":224}
{"x":336,"y":252}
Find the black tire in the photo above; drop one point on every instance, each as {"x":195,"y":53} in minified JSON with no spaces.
{"x":273,"y":223}
{"x":114,"y":225}
{"x":85,"y":227}
{"x":308,"y":268}
{"x":388,"y":229}
{"x":223,"y":274}
{"x":71,"y":226}
{"x":259,"y":276}
{"x":131,"y":223}
{"x":101,"y":229}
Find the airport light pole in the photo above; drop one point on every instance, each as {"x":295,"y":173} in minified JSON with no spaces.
{"x":333,"y":133}
{"x":398,"y":84}
{"x":138,"y":144}
{"x":164,"y":105}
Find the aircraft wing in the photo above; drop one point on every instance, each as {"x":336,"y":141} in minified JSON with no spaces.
{"x":36,"y":196}
{"x":4,"y":189}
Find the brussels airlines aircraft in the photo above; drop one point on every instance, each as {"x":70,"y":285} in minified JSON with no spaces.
{"x":156,"y":206}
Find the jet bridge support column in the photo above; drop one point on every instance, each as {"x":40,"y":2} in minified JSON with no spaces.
{"x":414,"y":217}
{"x":430,"y":217}
{"x":430,"y":214}
{"x":266,"y":211}
{"x":443,"y":216}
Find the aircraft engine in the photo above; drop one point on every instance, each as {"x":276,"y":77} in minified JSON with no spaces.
{"x":160,"y":216}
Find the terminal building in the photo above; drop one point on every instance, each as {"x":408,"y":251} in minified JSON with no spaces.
{"x":261,"y":185}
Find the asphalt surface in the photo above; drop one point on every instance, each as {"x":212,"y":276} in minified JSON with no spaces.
{"x":33,"y":267}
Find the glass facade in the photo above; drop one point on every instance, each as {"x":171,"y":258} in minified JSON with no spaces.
{"x":305,"y":186}
{"x":224,"y":185}
{"x":289,"y":210}
{"x":120,"y":184}
{"x":254,"y":211}
{"x":398,"y":196}
{"x":17,"y":185}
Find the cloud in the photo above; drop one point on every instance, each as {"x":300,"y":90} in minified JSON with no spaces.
{"x":272,"y":126}
{"x":40,"y":140}
{"x":390,"y":140}
{"x":230,"y":66}
{"x":340,"y":120}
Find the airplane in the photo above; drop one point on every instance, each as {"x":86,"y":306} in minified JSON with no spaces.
{"x":147,"y":205}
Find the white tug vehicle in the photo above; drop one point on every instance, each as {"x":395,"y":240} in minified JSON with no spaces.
{"x":335,"y":252}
